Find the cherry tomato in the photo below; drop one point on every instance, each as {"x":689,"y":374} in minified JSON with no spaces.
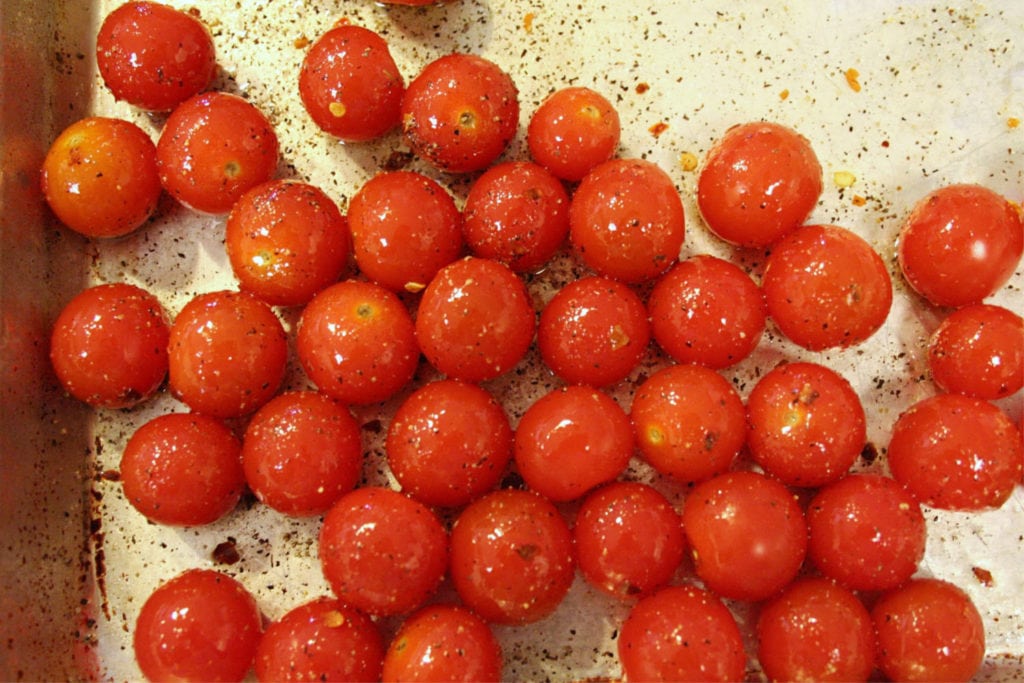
{"x":321,"y":640}
{"x":201,"y":625}
{"x":154,"y":56}
{"x":183,"y":469}
{"x":301,"y":452}
{"x":805,"y":424}
{"x":928,"y":630}
{"x":959,"y":244}
{"x":382,"y":552}
{"x":109,"y":346}
{"x":815,"y":631}
{"x":512,"y":560}
{"x":449,"y":443}
{"x":626,"y":220}
{"x":100,"y":177}
{"x":689,"y":422}
{"x":866,"y":532}
{"x":759,"y":182}
{"x":357,"y":343}
{"x":460,"y":112}
{"x":706,"y":310}
{"x":681,"y":633}
{"x":629,"y":539}
{"x":571,"y":440}
{"x":286,"y":241}
{"x":826,"y":287}
{"x":935,"y":451}
{"x":747,"y":535}
{"x":443,"y":643}
{"x":214,"y":147}
{"x":516,"y":213}
{"x":475,"y":320}
{"x":978,"y":350}
{"x":405,"y":227}
{"x":572,"y":131}
{"x":350,"y":85}
{"x":227,"y":354}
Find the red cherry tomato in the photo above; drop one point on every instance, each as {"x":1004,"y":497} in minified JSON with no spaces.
{"x":825,"y":287}
{"x":154,"y":56}
{"x":747,"y":535}
{"x":978,"y":350}
{"x":227,"y":354}
{"x":214,"y":147}
{"x":201,"y":625}
{"x":382,"y":552}
{"x":706,"y":310}
{"x":350,"y":85}
{"x":183,"y":469}
{"x":629,"y":539}
{"x":321,"y":640}
{"x":572,"y":131}
{"x":357,"y":343}
{"x":937,"y":452}
{"x":512,"y":559}
{"x":286,"y":241}
{"x":960,"y":244}
{"x":100,"y":177}
{"x":759,"y":182}
{"x":460,"y":112}
{"x":928,"y":630}
{"x":626,"y":220}
{"x":816,"y":631}
{"x":443,"y":643}
{"x":681,"y":633}
{"x":689,"y":422}
{"x":866,"y":532}
{"x":109,"y":346}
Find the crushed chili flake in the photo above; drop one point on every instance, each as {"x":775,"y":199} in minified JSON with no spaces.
{"x":658,"y":128}
{"x":641,"y":88}
{"x":984,"y":576}
{"x":301,"y":43}
{"x":859,"y":200}
{"x":784,"y":95}
{"x":852,"y":79}
{"x":1013,"y":122}
{"x":528,"y":21}
{"x":688,"y":161}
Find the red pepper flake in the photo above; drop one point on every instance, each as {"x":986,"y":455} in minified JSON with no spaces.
{"x":784,"y":95}
{"x":885,"y":143}
{"x":343,"y":21}
{"x":226,"y":552}
{"x":301,"y":43}
{"x":984,"y":576}
{"x":852,"y":79}
{"x":641,"y":88}
{"x":658,"y":128}
{"x":858,"y":200}
{"x":528,"y":21}
{"x":1013,"y":122}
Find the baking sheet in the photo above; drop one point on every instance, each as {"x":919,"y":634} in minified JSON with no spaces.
{"x":939,"y":87}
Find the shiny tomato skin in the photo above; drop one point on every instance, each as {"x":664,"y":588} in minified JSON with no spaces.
{"x":826,"y":287}
{"x":928,"y":630}
{"x":689,"y":422}
{"x":350,"y":85}
{"x":382,"y":552}
{"x":301,"y":452}
{"x":100,"y":177}
{"x":475,"y":320}
{"x":357,"y":343}
{"x":759,"y":182}
{"x":594,"y":331}
{"x":706,"y":310}
{"x":460,"y":112}
{"x":629,"y":539}
{"x":201,"y":625}
{"x":747,"y":535}
{"x":405,"y":227}
{"x":183,"y":469}
{"x":227,"y":354}
{"x":108,"y":347}
{"x":320,"y":640}
{"x":214,"y":147}
{"x":286,"y":240}
{"x":978,"y":350}
{"x":154,"y":56}
{"x":518,"y":213}
{"x":816,"y":630}
{"x":443,"y":643}
{"x":935,"y":451}
{"x":959,"y":244}
{"x":626,"y":220}
{"x":512,"y":559}
{"x":572,"y":131}
{"x":681,"y":633}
